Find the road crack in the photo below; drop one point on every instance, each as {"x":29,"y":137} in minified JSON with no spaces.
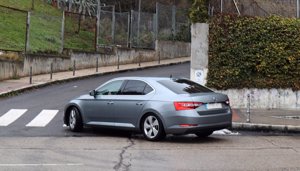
{"x":121,"y":164}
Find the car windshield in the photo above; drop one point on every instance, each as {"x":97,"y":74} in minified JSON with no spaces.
{"x":184,"y":86}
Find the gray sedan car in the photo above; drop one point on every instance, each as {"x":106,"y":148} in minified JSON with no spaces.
{"x":152,"y":105}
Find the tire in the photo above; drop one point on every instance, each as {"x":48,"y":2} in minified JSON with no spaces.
{"x":75,"y":120}
{"x":204,"y":134}
{"x":152,"y":128}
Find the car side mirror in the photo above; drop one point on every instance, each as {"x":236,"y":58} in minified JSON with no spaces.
{"x":93,"y":93}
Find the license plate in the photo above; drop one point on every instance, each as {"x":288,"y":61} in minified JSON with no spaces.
{"x":213,"y":106}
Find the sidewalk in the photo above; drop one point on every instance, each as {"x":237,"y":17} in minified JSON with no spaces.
{"x":18,"y":85}
{"x":260,"y":119}
{"x":281,"y":120}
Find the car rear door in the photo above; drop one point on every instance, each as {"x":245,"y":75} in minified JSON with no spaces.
{"x":129,"y":105}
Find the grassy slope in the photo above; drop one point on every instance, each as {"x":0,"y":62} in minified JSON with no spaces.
{"x":45,"y":28}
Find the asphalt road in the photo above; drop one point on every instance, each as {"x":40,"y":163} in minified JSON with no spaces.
{"x":53,"y":147}
{"x":116,"y":152}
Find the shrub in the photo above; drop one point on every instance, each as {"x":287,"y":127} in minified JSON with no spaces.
{"x":254,"y":52}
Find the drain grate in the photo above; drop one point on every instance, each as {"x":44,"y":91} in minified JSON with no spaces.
{"x":287,"y":117}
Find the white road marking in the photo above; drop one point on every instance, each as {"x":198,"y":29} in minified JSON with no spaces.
{"x":41,"y":164}
{"x":10,"y":116}
{"x":43,"y":118}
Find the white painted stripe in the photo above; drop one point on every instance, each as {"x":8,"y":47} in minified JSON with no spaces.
{"x":11,"y":116}
{"x":43,"y":118}
{"x":41,"y":164}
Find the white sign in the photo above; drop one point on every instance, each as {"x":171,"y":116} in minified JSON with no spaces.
{"x":199,"y":76}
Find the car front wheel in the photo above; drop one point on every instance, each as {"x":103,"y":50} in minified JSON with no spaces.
{"x":75,"y":121}
{"x":153,"y":128}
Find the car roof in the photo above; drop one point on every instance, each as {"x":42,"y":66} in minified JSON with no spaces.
{"x":143,"y":78}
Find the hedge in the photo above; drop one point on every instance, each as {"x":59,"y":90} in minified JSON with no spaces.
{"x":254,"y":52}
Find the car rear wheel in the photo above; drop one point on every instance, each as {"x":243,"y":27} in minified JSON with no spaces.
{"x":75,"y":121}
{"x":204,"y":134}
{"x":153,"y":128}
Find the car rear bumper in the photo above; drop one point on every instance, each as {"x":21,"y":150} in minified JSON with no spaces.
{"x":186,"y":125}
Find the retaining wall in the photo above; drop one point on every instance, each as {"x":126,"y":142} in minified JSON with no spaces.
{"x":41,"y":63}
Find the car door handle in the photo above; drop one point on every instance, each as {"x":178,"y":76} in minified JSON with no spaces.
{"x":140,"y":103}
{"x":109,"y":103}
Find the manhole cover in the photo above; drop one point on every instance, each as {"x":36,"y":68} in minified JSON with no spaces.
{"x":287,"y":117}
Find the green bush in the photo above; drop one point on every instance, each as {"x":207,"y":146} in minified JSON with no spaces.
{"x":254,"y":52}
{"x":198,"y":12}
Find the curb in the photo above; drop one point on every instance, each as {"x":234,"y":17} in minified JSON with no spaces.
{"x":265,"y":127}
{"x":39,"y":85}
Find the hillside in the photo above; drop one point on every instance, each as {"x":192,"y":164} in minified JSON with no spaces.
{"x":45,"y":28}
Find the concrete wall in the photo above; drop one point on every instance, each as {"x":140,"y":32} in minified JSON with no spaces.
{"x":41,"y":63}
{"x":264,"y":98}
{"x":9,"y":69}
{"x":171,"y":49}
{"x":199,"y":52}
{"x":260,"y":98}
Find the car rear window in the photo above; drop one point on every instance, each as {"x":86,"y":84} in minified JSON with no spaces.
{"x":184,"y":86}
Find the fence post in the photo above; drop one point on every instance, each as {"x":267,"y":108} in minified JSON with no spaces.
{"x":221,"y":6}
{"x":51,"y":70}
{"x":118,"y":61}
{"x":97,"y":64}
{"x":27,"y":32}
{"x":158,"y":54}
{"x":298,"y":6}
{"x":138,"y":26}
{"x":128,"y":30}
{"x":30,"y":75}
{"x":157,"y":18}
{"x":113,"y":25}
{"x":139,"y":59}
{"x":173,"y":21}
{"x":248,"y":108}
{"x":62,"y":32}
{"x":98,"y":24}
{"x":131,"y":28}
{"x":74,"y":67}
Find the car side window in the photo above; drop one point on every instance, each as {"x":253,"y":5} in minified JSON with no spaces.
{"x":112,"y":88}
{"x":134,"y":87}
{"x":148,"y":89}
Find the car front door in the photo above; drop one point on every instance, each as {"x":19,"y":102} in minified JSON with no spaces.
{"x":100,"y":109}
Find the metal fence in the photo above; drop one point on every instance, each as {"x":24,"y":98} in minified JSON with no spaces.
{"x":79,"y":32}
{"x":142,"y":30}
{"x":44,"y":37}
{"x":87,"y":31}
{"x":285,"y":8}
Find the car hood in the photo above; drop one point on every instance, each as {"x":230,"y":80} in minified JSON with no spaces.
{"x":84,"y":97}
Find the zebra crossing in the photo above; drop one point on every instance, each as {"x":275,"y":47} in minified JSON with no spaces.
{"x":41,"y":120}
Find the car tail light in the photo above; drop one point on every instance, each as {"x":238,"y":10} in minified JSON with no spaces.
{"x":186,"y":105}
{"x":227,"y":102}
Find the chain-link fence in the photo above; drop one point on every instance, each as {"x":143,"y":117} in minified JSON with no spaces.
{"x":79,"y":32}
{"x":142,"y":30}
{"x":122,"y":21}
{"x":286,"y":8}
{"x":86,"y":31}
{"x":45,"y":33}
{"x":12,"y":29}
{"x":106,"y":27}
